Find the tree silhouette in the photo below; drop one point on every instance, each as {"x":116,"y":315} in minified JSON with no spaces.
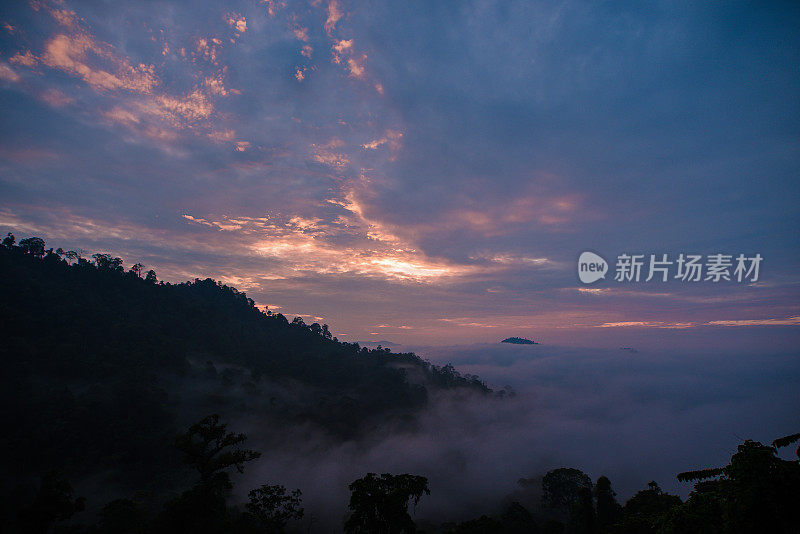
{"x":211,"y":450}
{"x":272,"y":507}
{"x":645,"y":509}
{"x":33,"y":246}
{"x":137,"y":269}
{"x":756,"y":492}
{"x":582,"y":515}
{"x":560,"y":489}
{"x":380,"y":504}
{"x":107,"y":261}
{"x":608,"y":509}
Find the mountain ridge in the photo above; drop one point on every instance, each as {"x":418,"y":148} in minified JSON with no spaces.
{"x":88,"y":345}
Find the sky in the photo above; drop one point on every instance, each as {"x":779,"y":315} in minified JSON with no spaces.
{"x":423,"y":173}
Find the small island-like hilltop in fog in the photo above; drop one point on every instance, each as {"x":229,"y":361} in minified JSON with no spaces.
{"x":519,"y":341}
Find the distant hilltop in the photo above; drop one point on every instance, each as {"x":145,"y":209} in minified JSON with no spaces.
{"x":519,"y":341}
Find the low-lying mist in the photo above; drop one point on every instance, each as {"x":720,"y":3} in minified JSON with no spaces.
{"x":632,"y":416}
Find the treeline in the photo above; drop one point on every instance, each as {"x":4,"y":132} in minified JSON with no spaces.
{"x":88,"y":345}
{"x":101,"y":367}
{"x":756,"y":492}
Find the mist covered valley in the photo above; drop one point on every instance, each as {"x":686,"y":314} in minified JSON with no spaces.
{"x":106,"y":367}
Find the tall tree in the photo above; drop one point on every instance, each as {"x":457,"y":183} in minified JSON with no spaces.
{"x":137,"y":269}
{"x":211,"y":450}
{"x":561,"y":487}
{"x":608,"y":509}
{"x":380,"y":504}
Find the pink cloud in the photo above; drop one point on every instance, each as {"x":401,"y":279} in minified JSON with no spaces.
{"x":334,"y":15}
{"x":74,"y":54}
{"x":56,"y":98}
{"x":7,"y":74}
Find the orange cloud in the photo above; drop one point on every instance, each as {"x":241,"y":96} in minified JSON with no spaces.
{"x":26,"y":59}
{"x":391,"y":137}
{"x":66,"y":18}
{"x":216,"y":85}
{"x":71,"y":54}
{"x":309,"y":244}
{"x":195,"y":106}
{"x":236,"y":21}
{"x":343,"y":46}
{"x":207,"y":49}
{"x":645,"y":324}
{"x":356,"y":66}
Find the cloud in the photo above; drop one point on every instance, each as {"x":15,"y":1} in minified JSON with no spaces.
{"x":273,"y":6}
{"x":72,"y":55}
{"x":301,"y":33}
{"x":645,"y":324}
{"x":8,"y":74}
{"x":309,"y":245}
{"x":334,"y":15}
{"x":326,"y":155}
{"x":65,"y":17}
{"x":26,"y":59}
{"x":236,"y":21}
{"x":193,"y":107}
{"x":788,"y":321}
{"x":447,"y":194}
{"x":342,"y":47}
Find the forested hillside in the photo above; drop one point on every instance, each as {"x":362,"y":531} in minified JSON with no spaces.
{"x":102,"y":366}
{"x":109,"y":377}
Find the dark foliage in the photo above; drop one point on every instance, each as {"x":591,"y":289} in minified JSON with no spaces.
{"x":515,"y":520}
{"x":271,"y":507}
{"x":561,"y":489}
{"x":379,"y":504}
{"x":101,"y":367}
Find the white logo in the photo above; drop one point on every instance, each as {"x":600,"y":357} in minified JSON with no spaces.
{"x":591,"y":267}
